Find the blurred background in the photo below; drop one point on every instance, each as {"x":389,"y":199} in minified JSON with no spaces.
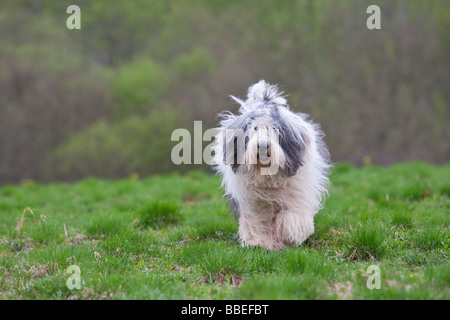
{"x":103,"y":101}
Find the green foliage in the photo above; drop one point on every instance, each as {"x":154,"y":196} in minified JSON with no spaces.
{"x":109,"y":149}
{"x":291,"y":287}
{"x":138,"y":85}
{"x":301,"y":262}
{"x":159,"y":213}
{"x":194,"y":65}
{"x":213,"y":258}
{"x":431,"y":238}
{"x":402,"y":217}
{"x":105,"y":224}
{"x":131,"y":242}
{"x":367,"y":240}
{"x":59,"y":86}
{"x":49,"y":91}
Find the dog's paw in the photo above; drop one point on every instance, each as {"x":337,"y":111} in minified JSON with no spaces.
{"x":268,"y":245}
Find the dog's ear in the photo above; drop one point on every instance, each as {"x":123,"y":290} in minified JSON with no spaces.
{"x":235,"y":141}
{"x":293,"y":142}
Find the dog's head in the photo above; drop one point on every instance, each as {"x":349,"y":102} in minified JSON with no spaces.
{"x":266,"y":138}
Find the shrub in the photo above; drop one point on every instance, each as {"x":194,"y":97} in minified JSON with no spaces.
{"x":137,"y":85}
{"x":48,"y":91}
{"x":108,"y":149}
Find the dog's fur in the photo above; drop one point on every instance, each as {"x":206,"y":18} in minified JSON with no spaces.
{"x":274,"y":166}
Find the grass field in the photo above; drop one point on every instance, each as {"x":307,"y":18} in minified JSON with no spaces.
{"x":172,"y":237}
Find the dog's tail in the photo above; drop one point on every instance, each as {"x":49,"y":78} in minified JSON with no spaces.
{"x":261,"y":93}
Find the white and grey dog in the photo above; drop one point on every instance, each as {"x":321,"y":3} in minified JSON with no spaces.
{"x":274,"y":166}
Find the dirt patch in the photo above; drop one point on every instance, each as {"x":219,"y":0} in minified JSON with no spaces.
{"x":344,"y":291}
{"x":90,"y":294}
{"x":79,"y":239}
{"x":41,"y":270}
{"x":223,"y":278}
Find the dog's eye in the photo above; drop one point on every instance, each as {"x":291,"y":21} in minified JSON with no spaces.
{"x":256,"y":128}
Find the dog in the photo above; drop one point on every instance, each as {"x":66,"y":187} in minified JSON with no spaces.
{"x":274,"y":166}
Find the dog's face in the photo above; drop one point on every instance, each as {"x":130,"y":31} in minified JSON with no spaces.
{"x":265,"y":142}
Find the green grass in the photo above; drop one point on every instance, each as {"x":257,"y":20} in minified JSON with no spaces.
{"x":159,"y":213}
{"x":172,"y":237}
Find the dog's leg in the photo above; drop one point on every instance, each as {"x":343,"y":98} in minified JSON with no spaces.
{"x":245,"y":233}
{"x":258,"y":232}
{"x":293,"y":228}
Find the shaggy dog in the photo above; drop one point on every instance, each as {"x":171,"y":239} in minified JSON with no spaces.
{"x":274,"y":166}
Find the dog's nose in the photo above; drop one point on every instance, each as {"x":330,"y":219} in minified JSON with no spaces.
{"x":264,"y":147}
